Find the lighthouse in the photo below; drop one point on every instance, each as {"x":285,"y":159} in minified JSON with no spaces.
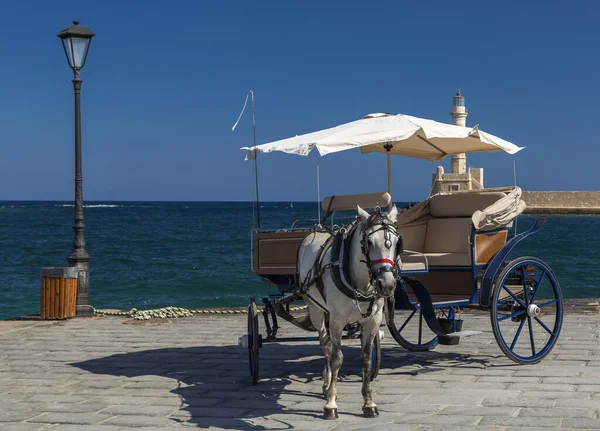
{"x":459,"y":178}
{"x":458,"y":113}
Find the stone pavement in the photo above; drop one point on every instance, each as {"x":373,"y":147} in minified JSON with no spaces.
{"x":113,"y":373}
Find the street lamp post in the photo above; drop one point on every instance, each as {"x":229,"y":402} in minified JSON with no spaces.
{"x":76,"y":43}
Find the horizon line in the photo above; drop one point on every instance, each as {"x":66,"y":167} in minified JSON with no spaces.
{"x":141,"y":200}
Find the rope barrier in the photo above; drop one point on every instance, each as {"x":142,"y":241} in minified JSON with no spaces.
{"x":176,"y":312}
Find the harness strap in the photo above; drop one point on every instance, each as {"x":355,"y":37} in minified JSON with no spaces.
{"x":318,"y":304}
{"x":347,"y":278}
{"x":302,"y":322}
{"x":337,"y":273}
{"x":319,"y":270}
{"x":369,"y":308}
{"x":388,"y":261}
{"x":315,"y":274}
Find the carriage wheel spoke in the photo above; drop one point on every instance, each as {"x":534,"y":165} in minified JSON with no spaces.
{"x":518,"y":313}
{"x":537,"y":319}
{"x":524,"y":281}
{"x":514,"y":296}
{"x":531,"y":336}
{"x":545,"y":304}
{"x":512,"y":346}
{"x":539,"y":283}
{"x":407,"y":320}
{"x":420,"y":325}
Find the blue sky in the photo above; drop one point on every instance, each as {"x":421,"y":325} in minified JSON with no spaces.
{"x":165,"y":81}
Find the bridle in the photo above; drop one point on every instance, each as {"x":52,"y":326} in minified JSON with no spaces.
{"x":380,"y":223}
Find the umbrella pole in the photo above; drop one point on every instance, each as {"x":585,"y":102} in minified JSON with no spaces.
{"x":318,"y":192}
{"x":389,"y":171}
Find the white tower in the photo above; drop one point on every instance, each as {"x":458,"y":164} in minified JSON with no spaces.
{"x":459,"y":113}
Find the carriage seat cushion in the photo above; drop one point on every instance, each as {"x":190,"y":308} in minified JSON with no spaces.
{"x":444,"y":241}
{"x":461,"y":204}
{"x":447,"y":241}
{"x":444,"y":238}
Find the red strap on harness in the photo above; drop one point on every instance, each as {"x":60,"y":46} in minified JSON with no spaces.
{"x":388,"y":261}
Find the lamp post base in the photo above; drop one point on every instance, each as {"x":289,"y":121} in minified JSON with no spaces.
{"x":80,"y":260}
{"x":85,"y":311}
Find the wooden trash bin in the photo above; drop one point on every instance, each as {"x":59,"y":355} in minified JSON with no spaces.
{"x":58,"y":296}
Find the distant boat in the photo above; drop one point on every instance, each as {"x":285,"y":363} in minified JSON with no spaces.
{"x":291,"y":205}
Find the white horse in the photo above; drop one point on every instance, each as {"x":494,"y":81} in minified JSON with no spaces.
{"x":369,"y":253}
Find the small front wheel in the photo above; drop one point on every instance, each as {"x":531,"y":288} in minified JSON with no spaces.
{"x":527,"y":310}
{"x":254,"y":340}
{"x":410,"y":331}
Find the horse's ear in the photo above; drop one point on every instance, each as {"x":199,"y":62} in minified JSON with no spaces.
{"x":362,"y":213}
{"x":393,"y":214}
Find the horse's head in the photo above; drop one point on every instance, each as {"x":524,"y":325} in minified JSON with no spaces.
{"x":381,"y":244}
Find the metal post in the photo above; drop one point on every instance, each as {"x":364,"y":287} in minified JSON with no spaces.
{"x":79,"y":258}
{"x":255,"y":162}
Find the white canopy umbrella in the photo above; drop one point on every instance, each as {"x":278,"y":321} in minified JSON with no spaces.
{"x":391,"y":134}
{"x":399,"y":134}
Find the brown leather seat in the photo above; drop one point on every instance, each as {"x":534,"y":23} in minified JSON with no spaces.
{"x":439,"y":242}
{"x":444,"y":237}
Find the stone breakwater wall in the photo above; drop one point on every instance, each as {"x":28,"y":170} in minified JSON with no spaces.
{"x":564,"y":202}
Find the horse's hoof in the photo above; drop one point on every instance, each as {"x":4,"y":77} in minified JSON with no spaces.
{"x":370,"y":412}
{"x":330,"y":413}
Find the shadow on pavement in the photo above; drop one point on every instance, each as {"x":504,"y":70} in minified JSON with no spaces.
{"x":214,"y":382}
{"x":215,"y":386}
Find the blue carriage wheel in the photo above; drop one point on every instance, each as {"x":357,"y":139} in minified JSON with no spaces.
{"x":253,"y":340}
{"x":375,"y":356}
{"x":410,"y":330}
{"x":527,"y":310}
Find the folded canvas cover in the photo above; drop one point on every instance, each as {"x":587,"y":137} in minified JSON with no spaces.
{"x":501,"y":213}
{"x":488,"y":208}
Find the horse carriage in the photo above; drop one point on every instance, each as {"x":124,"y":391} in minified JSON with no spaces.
{"x":403,"y":268}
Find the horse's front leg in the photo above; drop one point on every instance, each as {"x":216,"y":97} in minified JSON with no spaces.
{"x":335,"y":363}
{"x":319,"y":321}
{"x":369,"y":331}
{"x":326,"y":345}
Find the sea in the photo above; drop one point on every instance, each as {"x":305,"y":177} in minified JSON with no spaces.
{"x":148,"y":255}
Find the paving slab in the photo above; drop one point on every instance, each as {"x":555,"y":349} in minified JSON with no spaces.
{"x":118,"y":374}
